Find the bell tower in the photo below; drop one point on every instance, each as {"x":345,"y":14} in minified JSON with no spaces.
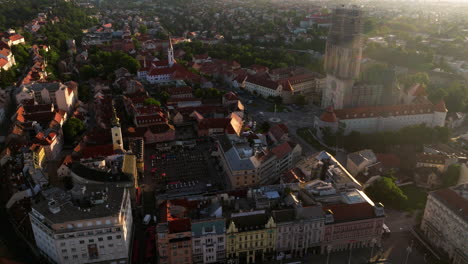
{"x":343,"y":57}
{"x":170,"y":54}
{"x":116,"y":130}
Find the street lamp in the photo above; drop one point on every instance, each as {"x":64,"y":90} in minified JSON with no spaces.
{"x":329,"y":248}
{"x":408,"y":250}
{"x":350,"y":250}
{"x":373,"y":241}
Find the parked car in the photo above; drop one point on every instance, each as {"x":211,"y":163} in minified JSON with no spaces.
{"x":146,"y":219}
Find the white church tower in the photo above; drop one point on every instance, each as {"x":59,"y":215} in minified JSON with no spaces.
{"x":116,"y":131}
{"x":170,"y":54}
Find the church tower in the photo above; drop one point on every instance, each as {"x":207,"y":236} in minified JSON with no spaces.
{"x":170,"y":54}
{"x":116,"y":131}
{"x":343,"y":57}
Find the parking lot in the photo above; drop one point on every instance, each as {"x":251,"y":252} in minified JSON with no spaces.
{"x":182,"y":169}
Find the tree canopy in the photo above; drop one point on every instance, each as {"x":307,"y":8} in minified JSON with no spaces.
{"x":385,"y":190}
{"x":152,"y":101}
{"x":104,"y":64}
{"x":451,"y":176}
{"x":72,"y":128}
{"x":381,"y":141}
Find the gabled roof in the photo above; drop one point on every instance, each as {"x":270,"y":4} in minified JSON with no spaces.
{"x":440,"y":107}
{"x":231,"y":96}
{"x":417,"y":90}
{"x":278,"y":131}
{"x":262,"y":81}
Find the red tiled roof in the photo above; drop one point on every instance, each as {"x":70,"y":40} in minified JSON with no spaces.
{"x":440,"y":107}
{"x":388,"y":160}
{"x":208,"y":123}
{"x":258,"y":68}
{"x":201,"y":56}
{"x":329,"y":115}
{"x":161,"y":71}
{"x":430,"y":158}
{"x":261,"y":81}
{"x":3,"y":62}
{"x":97,"y":151}
{"x":385,"y":110}
{"x":279,"y":130}
{"x":417,"y":90}
{"x":16,"y":37}
{"x":301,"y":78}
{"x":5,"y":52}
{"x":179,"y":225}
{"x":282,"y":150}
{"x":231,"y":96}
{"x":180,"y":90}
{"x":149,"y":119}
{"x":453,"y":200}
{"x":350,"y":212}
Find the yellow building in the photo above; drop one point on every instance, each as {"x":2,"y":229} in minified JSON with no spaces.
{"x":250,"y":237}
{"x":38,"y":155}
{"x":129,"y":167}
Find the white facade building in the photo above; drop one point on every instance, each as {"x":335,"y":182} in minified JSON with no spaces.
{"x":382,"y":118}
{"x":209,"y":240}
{"x":88,"y":224}
{"x":262,"y":86}
{"x":49,"y":93}
{"x":445,"y":222}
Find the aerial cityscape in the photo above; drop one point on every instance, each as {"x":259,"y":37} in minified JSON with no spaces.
{"x":234,"y":131}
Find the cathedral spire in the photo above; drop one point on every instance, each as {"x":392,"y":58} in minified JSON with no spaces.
{"x":170,"y":53}
{"x":115,"y":121}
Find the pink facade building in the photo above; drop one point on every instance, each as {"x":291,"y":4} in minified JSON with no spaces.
{"x":349,"y":226}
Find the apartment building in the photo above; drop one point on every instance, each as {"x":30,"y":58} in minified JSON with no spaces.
{"x":445,"y":222}
{"x":88,"y":224}
{"x":298,"y":231}
{"x":251,"y":237}
{"x":250,"y":164}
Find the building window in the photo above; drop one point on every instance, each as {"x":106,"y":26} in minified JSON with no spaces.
{"x":109,"y":238}
{"x":118,"y":237}
{"x":81,"y":241}
{"x":100,"y":239}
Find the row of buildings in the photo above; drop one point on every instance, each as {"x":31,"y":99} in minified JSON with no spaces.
{"x":7,"y":40}
{"x":272,"y":222}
